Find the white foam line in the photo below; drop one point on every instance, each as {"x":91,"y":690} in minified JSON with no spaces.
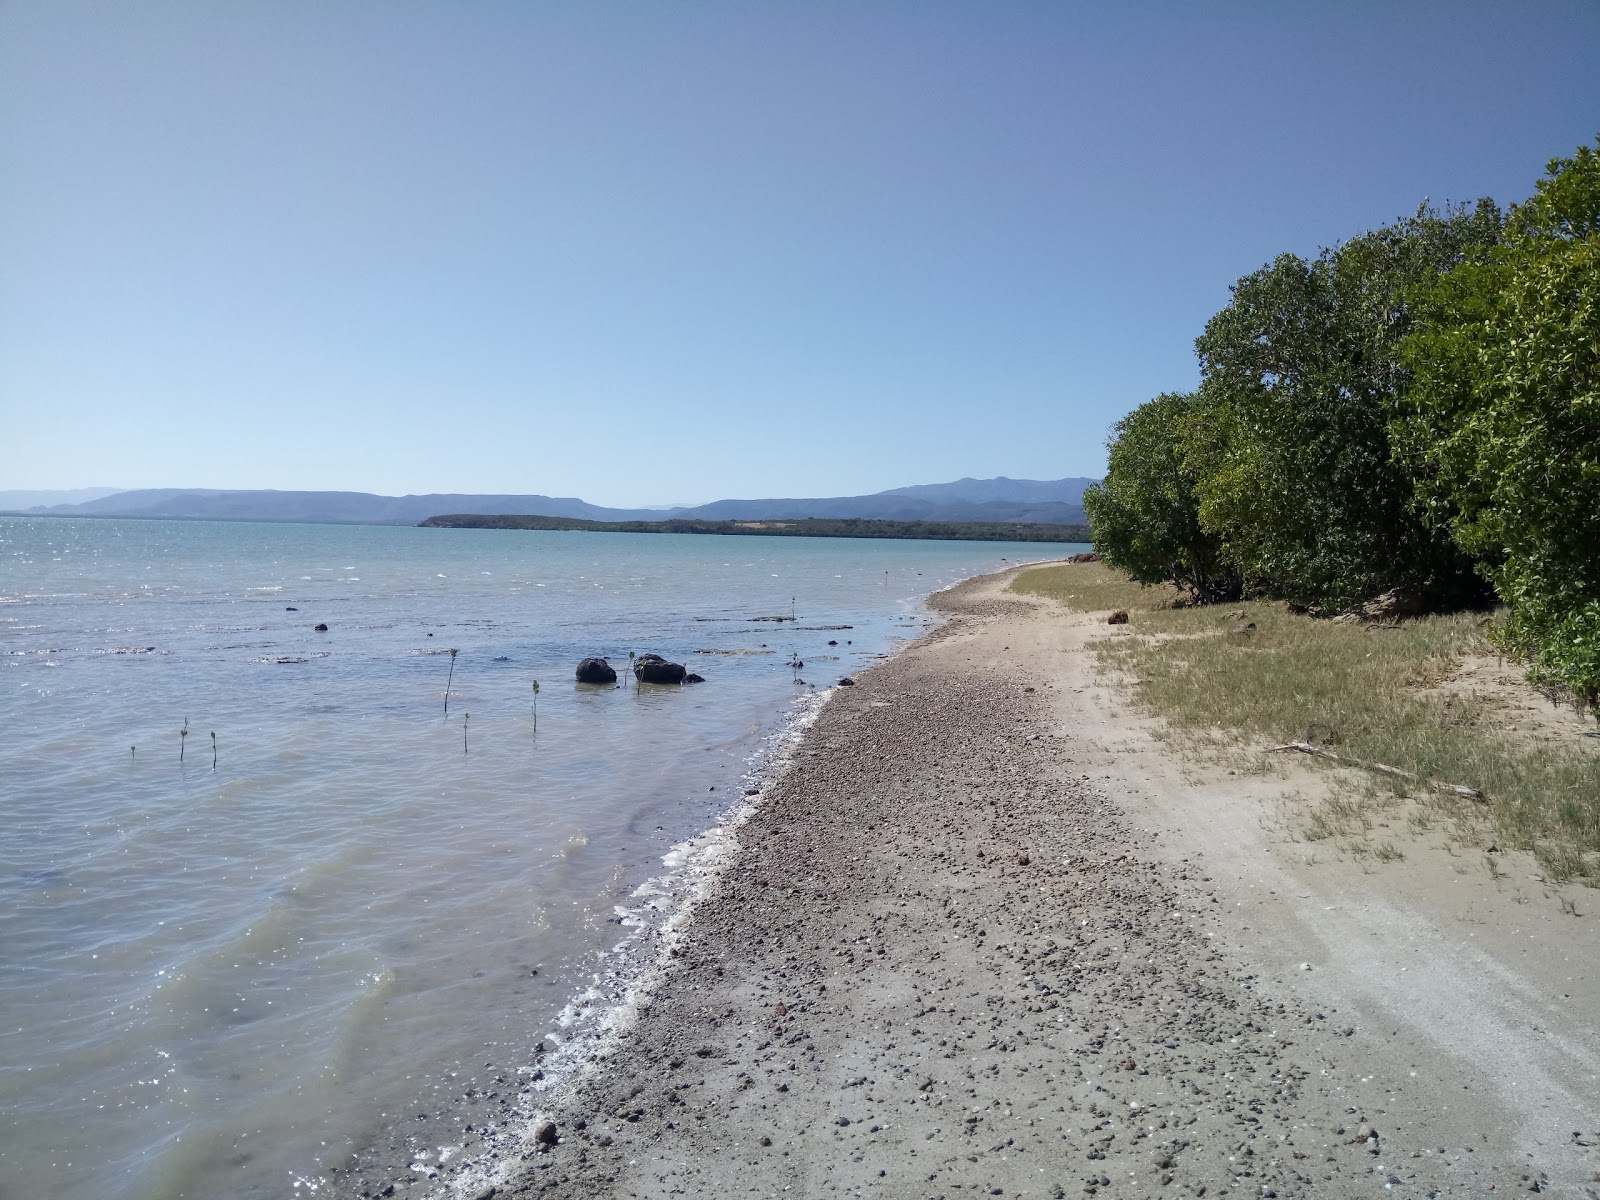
{"x":590,"y":1026}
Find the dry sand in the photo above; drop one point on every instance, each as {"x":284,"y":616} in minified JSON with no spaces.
{"x":989,"y":935}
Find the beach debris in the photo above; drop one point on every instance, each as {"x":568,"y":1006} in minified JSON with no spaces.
{"x":1120,"y":617}
{"x":652,"y":668}
{"x":596,"y":670}
{"x":320,"y":627}
{"x":1455,"y":789}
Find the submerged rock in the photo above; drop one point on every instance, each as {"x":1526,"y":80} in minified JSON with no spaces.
{"x":596,"y":670}
{"x":652,"y":668}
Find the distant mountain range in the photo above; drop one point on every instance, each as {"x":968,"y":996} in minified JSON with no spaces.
{"x":1055,"y":501}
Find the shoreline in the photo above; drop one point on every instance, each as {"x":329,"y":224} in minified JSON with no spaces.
{"x":951,"y":952}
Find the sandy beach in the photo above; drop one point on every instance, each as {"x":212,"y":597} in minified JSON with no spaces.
{"x":990,"y":934}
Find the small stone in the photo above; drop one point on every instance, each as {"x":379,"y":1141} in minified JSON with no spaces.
{"x":320,"y":627}
{"x":847,"y":682}
{"x":842,"y":1122}
{"x":1120,"y":617}
{"x":545,"y":1135}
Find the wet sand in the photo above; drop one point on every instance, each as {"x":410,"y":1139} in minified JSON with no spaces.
{"x":984,"y":937}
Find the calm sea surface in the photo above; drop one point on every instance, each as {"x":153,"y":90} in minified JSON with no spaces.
{"x":217,"y":981}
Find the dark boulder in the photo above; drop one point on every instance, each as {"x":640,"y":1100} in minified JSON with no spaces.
{"x":596,"y":670}
{"x":691,"y":677}
{"x":320,"y":628}
{"x":847,"y":682}
{"x":1120,"y":617}
{"x":652,"y":668}
{"x":1087,"y":557}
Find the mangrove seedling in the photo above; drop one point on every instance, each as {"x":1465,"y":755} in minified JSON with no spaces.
{"x":448,"y":678}
{"x":213,"y":749}
{"x":630,"y":665}
{"x":183,"y":736}
{"x":536,"y":704}
{"x":464,"y":721}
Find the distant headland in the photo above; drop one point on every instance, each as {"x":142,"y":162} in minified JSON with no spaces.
{"x":843,"y":527}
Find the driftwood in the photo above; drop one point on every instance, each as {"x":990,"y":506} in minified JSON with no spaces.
{"x":1455,"y":789}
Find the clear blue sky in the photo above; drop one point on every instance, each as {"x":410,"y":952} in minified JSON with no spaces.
{"x":661,"y":252}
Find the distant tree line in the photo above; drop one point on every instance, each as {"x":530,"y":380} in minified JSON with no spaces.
{"x":1416,"y":409}
{"x":846,"y":527}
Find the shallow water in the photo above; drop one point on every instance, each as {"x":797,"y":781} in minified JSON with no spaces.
{"x":216,"y":982}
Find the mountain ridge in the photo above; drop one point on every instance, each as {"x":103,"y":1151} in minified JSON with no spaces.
{"x":1002,"y":499}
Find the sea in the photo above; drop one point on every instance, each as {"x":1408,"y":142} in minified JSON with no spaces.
{"x":270,"y":891}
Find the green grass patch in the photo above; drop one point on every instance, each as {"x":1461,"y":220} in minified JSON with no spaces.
{"x":1209,"y":673}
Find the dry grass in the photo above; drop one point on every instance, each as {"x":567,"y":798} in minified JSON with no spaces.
{"x":1213,"y":678}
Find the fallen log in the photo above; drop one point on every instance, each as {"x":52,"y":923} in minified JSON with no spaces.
{"x":1456,"y":789}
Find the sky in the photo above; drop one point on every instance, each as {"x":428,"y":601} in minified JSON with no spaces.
{"x":650,"y":253}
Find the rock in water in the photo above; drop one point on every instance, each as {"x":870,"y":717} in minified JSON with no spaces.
{"x":652,"y":668}
{"x":320,"y":628}
{"x":596,"y":670}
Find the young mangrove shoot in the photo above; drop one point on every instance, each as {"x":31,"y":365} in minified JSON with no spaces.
{"x":448,"y":678}
{"x":464,"y":721}
{"x":536,"y":704}
{"x":183,"y":735}
{"x":213,"y":749}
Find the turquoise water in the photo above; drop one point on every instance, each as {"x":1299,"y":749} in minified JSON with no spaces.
{"x":219,"y":981}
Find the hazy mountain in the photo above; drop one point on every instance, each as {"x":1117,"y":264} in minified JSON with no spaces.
{"x":1057,"y":501}
{"x":1021,"y":491}
{"x":16,"y":501}
{"x":357,"y":508}
{"x":1053,"y":501}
